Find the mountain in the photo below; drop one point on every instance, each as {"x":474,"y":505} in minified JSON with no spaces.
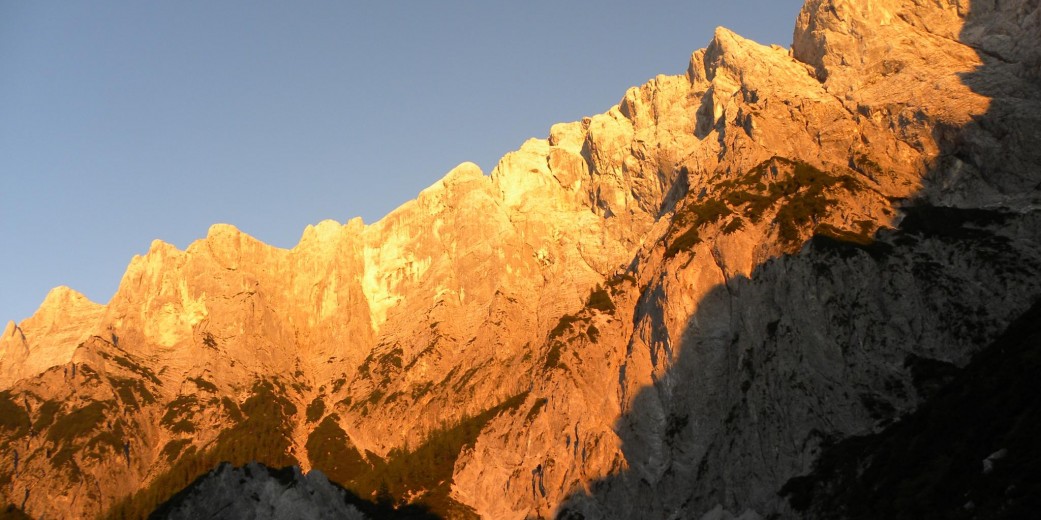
{"x":680,"y":308}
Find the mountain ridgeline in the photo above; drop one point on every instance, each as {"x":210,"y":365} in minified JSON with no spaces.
{"x":759,"y":289}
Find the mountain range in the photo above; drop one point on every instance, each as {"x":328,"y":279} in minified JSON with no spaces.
{"x":789,"y":283}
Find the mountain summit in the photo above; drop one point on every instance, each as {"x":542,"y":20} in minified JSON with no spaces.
{"x":668,"y":310}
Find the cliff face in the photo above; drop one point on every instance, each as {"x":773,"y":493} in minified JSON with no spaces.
{"x":49,"y":337}
{"x":660,"y":311}
{"x":738,"y":363}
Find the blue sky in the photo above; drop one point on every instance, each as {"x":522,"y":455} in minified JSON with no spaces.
{"x":123,"y":122}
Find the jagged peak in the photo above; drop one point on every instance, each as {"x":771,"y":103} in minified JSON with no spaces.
{"x":221,"y":236}
{"x":725,"y":48}
{"x":64,"y":293}
{"x":735,"y":54}
{"x":61,"y":306}
{"x":723,"y":36}
{"x":521,"y":171}
{"x":463,"y":172}
{"x":157,"y":251}
{"x":159,"y":246}
{"x":431,"y":198}
{"x":327,"y":233}
{"x":10,"y":329}
{"x":220,"y":231}
{"x":569,"y":136}
{"x":504,"y":169}
{"x":323,"y":231}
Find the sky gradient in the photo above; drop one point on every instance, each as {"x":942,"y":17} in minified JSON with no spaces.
{"x":124,"y":122}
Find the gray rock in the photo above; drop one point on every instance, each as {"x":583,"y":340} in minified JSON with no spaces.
{"x":255,"y":492}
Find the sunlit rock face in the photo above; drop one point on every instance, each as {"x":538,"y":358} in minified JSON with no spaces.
{"x":661,"y":311}
{"x":65,"y":319}
{"x":726,"y":365}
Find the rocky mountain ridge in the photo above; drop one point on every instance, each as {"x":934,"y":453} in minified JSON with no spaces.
{"x":664,"y":310}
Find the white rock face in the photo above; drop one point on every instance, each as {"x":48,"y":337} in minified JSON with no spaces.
{"x":49,"y":337}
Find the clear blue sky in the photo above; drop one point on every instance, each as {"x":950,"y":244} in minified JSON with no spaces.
{"x":122,"y":122}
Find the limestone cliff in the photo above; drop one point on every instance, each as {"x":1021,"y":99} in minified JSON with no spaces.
{"x":665,"y":310}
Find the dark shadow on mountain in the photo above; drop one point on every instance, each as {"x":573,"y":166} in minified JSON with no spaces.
{"x":970,"y":451}
{"x":814,"y":365}
{"x":1000,"y":150}
{"x":11,"y":512}
{"x":758,"y":381}
{"x":257,"y":491}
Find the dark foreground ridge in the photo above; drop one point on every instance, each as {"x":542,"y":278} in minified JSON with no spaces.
{"x":255,"y":491}
{"x":970,"y":451}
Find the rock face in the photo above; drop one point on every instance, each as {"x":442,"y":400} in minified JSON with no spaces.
{"x":665,"y":310}
{"x":49,"y":337}
{"x":930,"y":464}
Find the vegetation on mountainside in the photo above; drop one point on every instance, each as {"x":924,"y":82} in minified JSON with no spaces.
{"x":173,"y":449}
{"x":14,"y":420}
{"x":123,"y":360}
{"x":600,"y":300}
{"x":179,"y":414}
{"x":132,"y":392}
{"x":565,"y":323}
{"x":799,"y":191}
{"x":109,"y":441}
{"x":89,"y":375}
{"x":316,"y":409}
{"x":556,"y":348}
{"x":535,"y":408}
{"x":426,"y":469}
{"x":77,"y":424}
{"x":580,"y":324}
{"x":262,"y":435}
{"x":45,"y":415}
{"x":330,"y":450}
{"x":691,"y":218}
{"x":382,"y":364}
{"x":615,"y":282}
{"x":231,"y":408}
{"x":215,"y":484}
{"x":203,"y":384}
{"x":92,"y":431}
{"x":14,"y":425}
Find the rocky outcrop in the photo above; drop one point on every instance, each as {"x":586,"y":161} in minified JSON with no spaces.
{"x":665,"y":310}
{"x":49,"y":337}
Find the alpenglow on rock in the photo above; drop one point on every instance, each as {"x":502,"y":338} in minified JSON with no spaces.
{"x":668,"y":310}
